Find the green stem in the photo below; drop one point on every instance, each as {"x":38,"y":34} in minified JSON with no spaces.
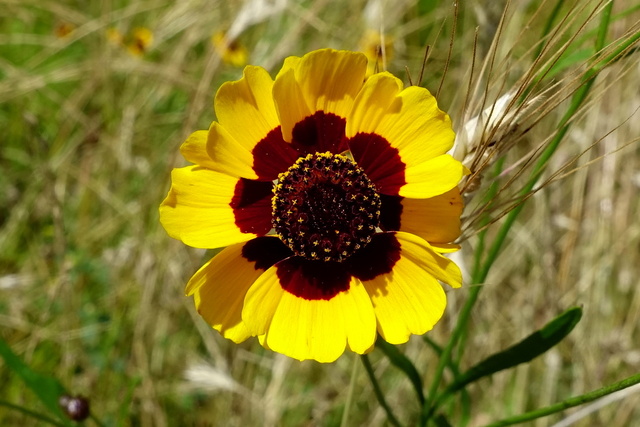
{"x":31,"y":413}
{"x":569,"y":403}
{"x":465,"y":400}
{"x":458,"y":330}
{"x":378,"y":392}
{"x":603,"y":28}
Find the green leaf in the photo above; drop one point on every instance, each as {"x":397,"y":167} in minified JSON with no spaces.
{"x":401,"y":362}
{"x":47,"y":388}
{"x":569,"y":60}
{"x":529,"y":348}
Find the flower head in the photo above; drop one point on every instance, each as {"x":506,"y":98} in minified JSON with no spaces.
{"x":378,"y":49}
{"x":232,"y":52}
{"x":335,"y":200}
{"x":137,"y":42}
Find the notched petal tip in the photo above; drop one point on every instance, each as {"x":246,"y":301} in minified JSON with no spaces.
{"x":194,"y":149}
{"x":324,"y":80}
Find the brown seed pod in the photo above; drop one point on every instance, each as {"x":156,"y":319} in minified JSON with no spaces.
{"x":75,"y":407}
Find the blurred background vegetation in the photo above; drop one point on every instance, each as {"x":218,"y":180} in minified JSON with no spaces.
{"x":95,"y":99}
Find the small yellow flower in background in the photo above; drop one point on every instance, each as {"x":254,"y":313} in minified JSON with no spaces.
{"x":137,"y":42}
{"x":114,"y":36}
{"x":335,"y":201}
{"x":64,"y":29}
{"x":378,"y":48}
{"x":232,"y":52}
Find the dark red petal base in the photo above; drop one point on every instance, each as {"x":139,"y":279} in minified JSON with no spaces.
{"x":390,"y":212}
{"x":380,"y":161}
{"x":272,"y":156}
{"x":315,"y":280}
{"x":318,"y":133}
{"x":265,"y":251}
{"x":251,"y":204}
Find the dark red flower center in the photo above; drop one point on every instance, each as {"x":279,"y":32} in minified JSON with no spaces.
{"x":325,"y":208}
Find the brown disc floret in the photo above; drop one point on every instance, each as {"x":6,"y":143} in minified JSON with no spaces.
{"x":325,"y":208}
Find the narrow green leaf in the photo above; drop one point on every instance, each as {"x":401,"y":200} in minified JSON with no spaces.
{"x":403,"y":363}
{"x":529,"y":348}
{"x":47,"y":388}
{"x":567,"y":61}
{"x":464,"y":406}
{"x":378,"y":392}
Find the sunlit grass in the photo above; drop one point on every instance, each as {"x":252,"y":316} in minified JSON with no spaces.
{"x":91,"y":287}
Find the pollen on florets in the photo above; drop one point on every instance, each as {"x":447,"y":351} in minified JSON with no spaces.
{"x":325,"y":208}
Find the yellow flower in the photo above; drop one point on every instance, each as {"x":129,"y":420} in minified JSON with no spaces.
{"x":232,"y":52}
{"x":139,"y":41}
{"x":335,"y":200}
{"x":378,"y":48}
{"x":114,"y":36}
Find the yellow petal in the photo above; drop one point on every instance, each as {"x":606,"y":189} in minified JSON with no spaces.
{"x":323,"y":80}
{"x":421,"y":253}
{"x":318,"y":329}
{"x":198,"y":209}
{"x":289,"y":63}
{"x":331,"y":79}
{"x":433,"y":177}
{"x":220,"y":286}
{"x":372,"y":103}
{"x":445,"y":248}
{"x":194,"y":149}
{"x":290,"y":102}
{"x":409,"y":119}
{"x":437,"y":219}
{"x":409,"y":300}
{"x":246,"y":114}
{"x":261,"y":302}
{"x":228,"y":156}
{"x":413,"y":126}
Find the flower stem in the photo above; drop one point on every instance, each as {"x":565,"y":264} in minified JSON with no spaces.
{"x":458,"y":330}
{"x":378,"y":392}
{"x":568,"y":403}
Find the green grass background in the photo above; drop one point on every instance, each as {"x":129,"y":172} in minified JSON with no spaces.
{"x":92,"y":288}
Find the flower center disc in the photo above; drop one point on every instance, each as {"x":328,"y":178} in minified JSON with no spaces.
{"x":325,"y":208}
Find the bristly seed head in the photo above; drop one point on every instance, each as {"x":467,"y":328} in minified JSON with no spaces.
{"x":325,"y":208}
